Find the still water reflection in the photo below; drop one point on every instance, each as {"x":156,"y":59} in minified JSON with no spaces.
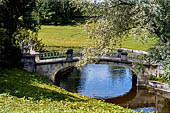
{"x":114,"y":84}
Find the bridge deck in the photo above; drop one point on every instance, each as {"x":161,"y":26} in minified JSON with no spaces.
{"x":106,"y":59}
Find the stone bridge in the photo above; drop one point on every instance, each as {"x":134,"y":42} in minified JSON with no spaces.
{"x":56,"y":67}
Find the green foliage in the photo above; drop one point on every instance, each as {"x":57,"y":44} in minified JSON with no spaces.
{"x":17,"y":20}
{"x":160,"y":79}
{"x":114,"y":20}
{"x":21,"y":91}
{"x":17,"y":14}
{"x":9,"y":54}
{"x":166,"y":67}
{"x":24,"y":34}
{"x":161,"y":53}
{"x":161,"y":22}
{"x":57,"y":11}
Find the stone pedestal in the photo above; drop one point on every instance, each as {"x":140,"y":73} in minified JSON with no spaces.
{"x":28,"y":62}
{"x":69,"y":54}
{"x":119,"y":51}
{"x":124,"y":56}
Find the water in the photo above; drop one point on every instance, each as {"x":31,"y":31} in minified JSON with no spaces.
{"x":114,"y":85}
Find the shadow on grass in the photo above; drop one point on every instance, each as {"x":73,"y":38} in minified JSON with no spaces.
{"x":20,"y":83}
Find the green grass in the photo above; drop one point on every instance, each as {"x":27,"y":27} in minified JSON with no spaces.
{"x":73,"y":36}
{"x":64,"y":36}
{"x":160,"y":79}
{"x":132,"y":43}
{"x":26,"y":92}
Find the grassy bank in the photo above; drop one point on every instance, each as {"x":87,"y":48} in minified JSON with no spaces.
{"x":73,"y":36}
{"x":21,"y":91}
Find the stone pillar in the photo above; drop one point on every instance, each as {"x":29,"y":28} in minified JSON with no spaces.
{"x":28,"y":62}
{"x":37,"y":57}
{"x":119,"y":51}
{"x":124,"y":56}
{"x":69,"y":54}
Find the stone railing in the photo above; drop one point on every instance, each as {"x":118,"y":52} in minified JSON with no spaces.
{"x":120,"y":53}
{"x":29,"y":59}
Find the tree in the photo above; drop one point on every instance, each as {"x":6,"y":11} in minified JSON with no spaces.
{"x":57,"y":11}
{"x":15,"y":16}
{"x":114,"y":20}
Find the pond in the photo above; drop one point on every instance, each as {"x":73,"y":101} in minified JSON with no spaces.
{"x":114,"y":85}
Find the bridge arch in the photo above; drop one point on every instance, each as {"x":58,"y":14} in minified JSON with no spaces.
{"x":62,"y":73}
{"x":66,"y":70}
{"x":50,"y":67}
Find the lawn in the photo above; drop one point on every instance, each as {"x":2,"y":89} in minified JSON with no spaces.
{"x":64,"y":36}
{"x":73,"y":36}
{"x":26,"y":92}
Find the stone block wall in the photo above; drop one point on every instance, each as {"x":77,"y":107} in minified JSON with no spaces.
{"x":28,"y":62}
